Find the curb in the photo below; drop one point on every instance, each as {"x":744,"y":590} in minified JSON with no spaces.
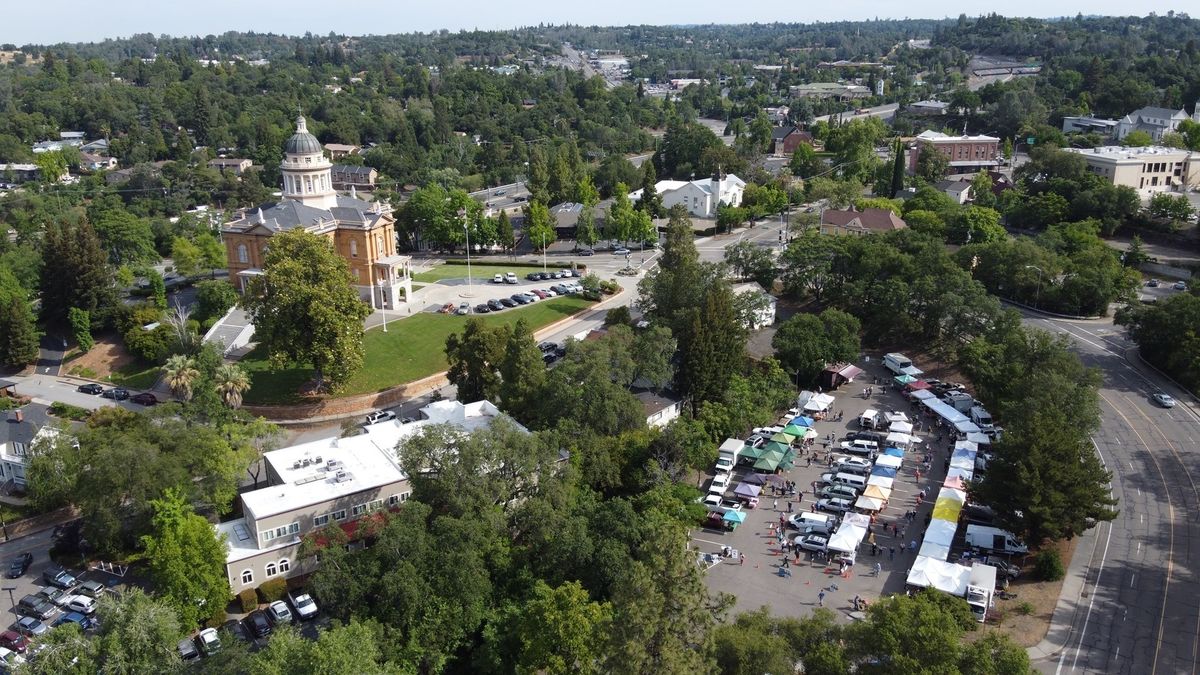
{"x":1070,"y":601}
{"x":1044,"y":312}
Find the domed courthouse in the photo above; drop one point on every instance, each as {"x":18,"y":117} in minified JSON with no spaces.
{"x":362,"y":232}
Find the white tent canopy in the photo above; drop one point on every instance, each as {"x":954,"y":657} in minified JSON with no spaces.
{"x":980,"y":438}
{"x":869,"y":503}
{"x":888,"y":460}
{"x":932,"y":550}
{"x":933,"y":573}
{"x":859,"y":519}
{"x":901,"y":427}
{"x":811,"y":401}
{"x":947,"y":412}
{"x":881,"y":481}
{"x":963,"y":473}
{"x":902,"y":440}
{"x":941,"y":531}
{"x":847,"y":538}
{"x":951,"y":493}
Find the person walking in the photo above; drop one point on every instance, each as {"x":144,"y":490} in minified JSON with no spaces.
{"x":878,"y":568}
{"x":776,"y":504}
{"x":821,"y":599}
{"x":789,"y":505}
{"x":892,"y":553}
{"x":912,"y":546}
{"x":785,"y":562}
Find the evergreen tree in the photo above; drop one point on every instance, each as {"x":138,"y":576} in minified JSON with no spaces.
{"x":898,"y":170}
{"x":18,"y":332}
{"x":538,"y":180}
{"x":677,"y":284}
{"x":474,"y":357}
{"x":81,"y":327}
{"x":651,"y":202}
{"x":522,"y":373}
{"x":88,"y":285}
{"x":504,"y":232}
{"x":712,"y":348}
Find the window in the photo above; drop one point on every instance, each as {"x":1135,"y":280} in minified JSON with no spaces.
{"x":375,"y":505}
{"x":284,"y":566}
{"x":379,"y":245}
{"x":243,"y":254}
{"x":247,"y":576}
{"x":358,"y":509}
{"x":308,"y":184}
{"x":321,"y":521}
{"x":271,"y":570}
{"x":353,"y":248}
{"x":393,"y":500}
{"x":339,"y":515}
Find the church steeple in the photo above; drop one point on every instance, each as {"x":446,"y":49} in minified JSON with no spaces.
{"x":307,"y":173}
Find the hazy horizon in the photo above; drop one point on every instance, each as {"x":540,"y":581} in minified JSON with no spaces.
{"x":26,"y":23}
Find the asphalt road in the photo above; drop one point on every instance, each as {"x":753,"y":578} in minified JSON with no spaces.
{"x":1138,"y":611}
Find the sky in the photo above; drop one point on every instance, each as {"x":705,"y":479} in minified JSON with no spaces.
{"x":52,"y":21}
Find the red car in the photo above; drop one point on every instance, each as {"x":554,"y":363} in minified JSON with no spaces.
{"x":145,"y":398}
{"x":14,"y":641}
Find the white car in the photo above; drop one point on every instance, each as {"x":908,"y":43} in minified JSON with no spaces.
{"x":210,"y":642}
{"x":812,"y":542}
{"x":835,"y":504}
{"x":510,"y":278}
{"x":719,"y":484}
{"x":724,"y":465}
{"x":279,"y":613}
{"x":711,"y":501}
{"x":498,"y":279}
{"x":82,"y":604}
{"x":857,"y":462}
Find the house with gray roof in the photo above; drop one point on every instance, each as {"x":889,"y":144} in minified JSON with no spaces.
{"x":20,"y":430}
{"x":1154,"y":121}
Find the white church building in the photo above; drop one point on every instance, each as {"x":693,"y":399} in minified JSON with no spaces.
{"x":699,"y":197}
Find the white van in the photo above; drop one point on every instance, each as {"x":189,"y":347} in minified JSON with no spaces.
{"x":853,"y":480}
{"x":994,"y":539}
{"x":981,"y":417}
{"x":861,"y":448}
{"x":814,"y":522}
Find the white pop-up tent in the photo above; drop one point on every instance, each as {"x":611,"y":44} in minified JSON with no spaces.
{"x":847,"y":538}
{"x":947,"y":577}
{"x":889,"y":461}
{"x":811,"y":401}
{"x":900,"y":427}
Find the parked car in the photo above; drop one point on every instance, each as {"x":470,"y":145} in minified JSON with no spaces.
{"x":305,"y":606}
{"x":380,"y":416}
{"x":621,"y":251}
{"x":75,"y":618}
{"x":279,"y":613}
{"x":587,"y":252}
{"x":835,"y":504}
{"x":446,"y":308}
{"x":210,"y":642}
{"x":482,"y":308}
{"x":719,"y":484}
{"x":259,"y":625}
{"x":508,"y":302}
{"x":812,"y":542}
{"x":30,"y":626}
{"x":498,"y":279}
{"x":59,"y":577}
{"x":838,"y":491}
{"x":1180,"y":286}
{"x":36,"y":606}
{"x":463,"y":309}
{"x":10,"y":660}
{"x":547,"y":346}
{"x":1165,"y":400}
{"x":550,"y":292}
{"x":534,"y":276}
{"x":549,"y":357}
{"x":495,"y":305}
{"x":187,"y":650}
{"x":82,"y":604}
{"x":54,"y":596}
{"x":90,"y":388}
{"x":510,"y":278}
{"x":1153,"y":283}
{"x":857,"y":462}
{"x":145,"y":398}
{"x":19,"y":566}
{"x":11,"y":639}
{"x":116,"y":394}
{"x":237,"y":629}
{"x":91,"y":589}
{"x":724,"y":464}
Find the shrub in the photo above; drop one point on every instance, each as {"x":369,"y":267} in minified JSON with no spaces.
{"x":68,"y":411}
{"x":249,"y":600}
{"x":272,"y":590}
{"x":217,"y":618}
{"x":1047,"y":566}
{"x":618,"y":316}
{"x":1025,"y":608}
{"x":81,"y":327}
{"x":152,"y":346}
{"x":214,"y":298}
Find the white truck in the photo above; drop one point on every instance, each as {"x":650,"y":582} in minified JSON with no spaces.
{"x":727,"y":454}
{"x":870,"y":419}
{"x":900,"y":364}
{"x":982,"y":418}
{"x":981,"y":589}
{"x":987,"y":538}
{"x":959,"y":400}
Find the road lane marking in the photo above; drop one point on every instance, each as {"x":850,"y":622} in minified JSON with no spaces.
{"x":1095,"y":585}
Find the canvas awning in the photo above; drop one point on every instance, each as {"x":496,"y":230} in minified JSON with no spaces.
{"x":860,"y":519}
{"x":955,"y":482}
{"x":935,"y":551}
{"x":769,"y":461}
{"x":941,"y":531}
{"x":847,"y":538}
{"x":950,"y":493}
{"x":979,"y":438}
{"x":946,"y":511}
{"x":888,"y":461}
{"x":776,"y":446}
{"x":877,"y":492}
{"x":963,"y":459}
{"x":949,"y":578}
{"x":783,"y":437}
{"x":850,"y":372}
{"x":810,"y":401}
{"x":755,"y":479}
{"x":802,"y":421}
{"x":868,"y":503}
{"x":885,"y":471}
{"x":795,"y":430}
{"x":957,"y":472}
{"x":918,"y":385}
{"x":747,"y":490}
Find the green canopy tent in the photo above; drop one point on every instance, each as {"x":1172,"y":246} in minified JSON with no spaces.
{"x":795,"y":431}
{"x":776,"y":446}
{"x":784,"y":438}
{"x":904,"y":379}
{"x":751,"y":452}
{"x":769,"y":461}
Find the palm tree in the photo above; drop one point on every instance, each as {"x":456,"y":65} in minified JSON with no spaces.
{"x":181,"y":373}
{"x":231,"y":383}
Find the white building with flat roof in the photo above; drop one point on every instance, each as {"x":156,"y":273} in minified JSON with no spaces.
{"x":332,"y":481}
{"x":1147,"y":170}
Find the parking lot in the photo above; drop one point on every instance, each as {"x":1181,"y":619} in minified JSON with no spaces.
{"x":758,"y":578}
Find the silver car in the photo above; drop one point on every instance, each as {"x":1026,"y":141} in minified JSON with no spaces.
{"x":835,"y":504}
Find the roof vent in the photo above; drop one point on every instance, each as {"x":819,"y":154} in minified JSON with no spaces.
{"x":296,"y":464}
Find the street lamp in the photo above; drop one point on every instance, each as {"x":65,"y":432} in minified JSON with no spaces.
{"x":383,"y":301}
{"x":1037,"y":299}
{"x":470,"y":283}
{"x":11,"y":600}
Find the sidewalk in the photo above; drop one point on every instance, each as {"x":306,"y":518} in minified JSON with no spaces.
{"x":1072,"y":599}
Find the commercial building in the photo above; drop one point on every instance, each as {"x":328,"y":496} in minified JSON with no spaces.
{"x":1147,"y":170}
{"x":1085,"y":125}
{"x":966,"y":154}
{"x":363,"y":233}
{"x":851,"y":221}
{"x":840,"y":91}
{"x":699,"y":197}
{"x":334,"y":481}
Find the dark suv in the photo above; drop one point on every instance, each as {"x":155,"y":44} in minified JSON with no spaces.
{"x":259,"y":625}
{"x":20,"y":565}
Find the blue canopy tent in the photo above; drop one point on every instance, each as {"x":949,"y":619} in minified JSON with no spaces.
{"x":894,"y":452}
{"x":802,"y":421}
{"x":732,"y":516}
{"x":884,"y":471}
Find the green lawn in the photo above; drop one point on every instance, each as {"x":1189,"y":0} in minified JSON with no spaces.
{"x":136,"y":375}
{"x":454,"y":272}
{"x":411,"y":349}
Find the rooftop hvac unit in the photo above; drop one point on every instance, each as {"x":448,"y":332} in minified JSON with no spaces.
{"x":317,"y":459}
{"x":306,"y":461}
{"x":296,"y":464}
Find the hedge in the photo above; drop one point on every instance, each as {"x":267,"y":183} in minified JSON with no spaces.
{"x":272,"y":589}
{"x":249,"y":600}
{"x":497,"y":263}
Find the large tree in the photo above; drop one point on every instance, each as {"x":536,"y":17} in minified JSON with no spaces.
{"x":711,"y":349}
{"x":540,"y":225}
{"x":18,"y":332}
{"x":138,"y":633}
{"x":305,"y":309}
{"x":187,"y":559}
{"x":521,"y":372}
{"x":806,"y":343}
{"x":558,"y":631}
{"x":651,"y":202}
{"x":474,"y":358}
{"x":77,"y":273}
